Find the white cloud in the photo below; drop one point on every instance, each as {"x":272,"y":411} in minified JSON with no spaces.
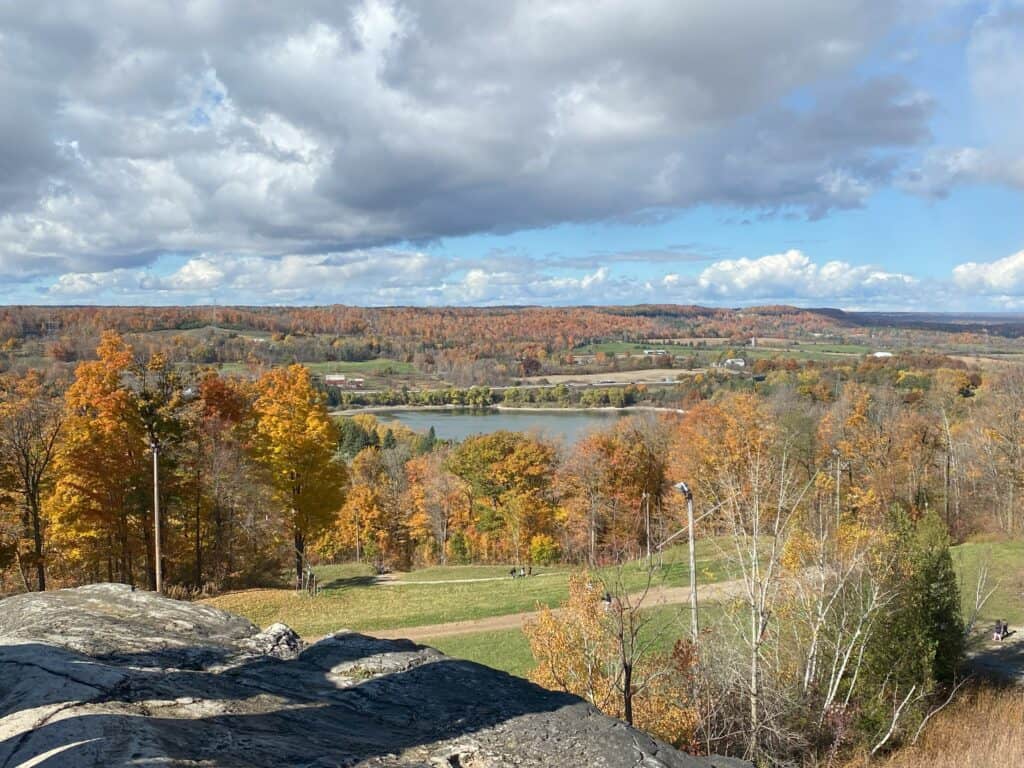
{"x":380,"y":276}
{"x":793,"y":276}
{"x":362,"y":123}
{"x":1002,"y":277}
{"x":995,"y":60}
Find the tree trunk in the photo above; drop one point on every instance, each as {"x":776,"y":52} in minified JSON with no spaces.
{"x":34,"y":523}
{"x":199,"y":542}
{"x":300,"y":550}
{"x":147,"y":540}
{"x":37,"y":539}
{"x":755,"y":620}
{"x":627,"y":693}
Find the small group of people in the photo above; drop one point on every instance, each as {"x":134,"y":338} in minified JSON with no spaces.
{"x":1002,"y":630}
{"x":521,"y":572}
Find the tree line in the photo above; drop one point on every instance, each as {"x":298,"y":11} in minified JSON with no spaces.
{"x":253,"y":467}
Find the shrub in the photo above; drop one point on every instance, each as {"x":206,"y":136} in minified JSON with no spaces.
{"x":544,"y":550}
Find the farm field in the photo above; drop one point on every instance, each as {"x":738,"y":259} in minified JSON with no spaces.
{"x":712,"y":348}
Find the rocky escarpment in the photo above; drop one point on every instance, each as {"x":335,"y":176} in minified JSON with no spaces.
{"x":104,"y":676}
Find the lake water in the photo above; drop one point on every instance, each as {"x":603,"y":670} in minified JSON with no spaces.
{"x":457,"y":424}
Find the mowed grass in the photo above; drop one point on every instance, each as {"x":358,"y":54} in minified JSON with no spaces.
{"x":509,"y":649}
{"x":349,"y":600}
{"x":457,"y":572}
{"x":362,"y":366}
{"x":506,"y":649}
{"x":1005,"y":562}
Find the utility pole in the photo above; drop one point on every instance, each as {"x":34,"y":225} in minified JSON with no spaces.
{"x":645,"y":499}
{"x":154,"y":446}
{"x":684,"y":489}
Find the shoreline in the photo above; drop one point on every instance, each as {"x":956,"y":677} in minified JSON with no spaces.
{"x":507,"y":409}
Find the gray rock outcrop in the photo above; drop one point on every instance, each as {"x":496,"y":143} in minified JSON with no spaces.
{"x":104,"y":676}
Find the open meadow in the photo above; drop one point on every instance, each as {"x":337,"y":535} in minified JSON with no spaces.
{"x":352,"y":597}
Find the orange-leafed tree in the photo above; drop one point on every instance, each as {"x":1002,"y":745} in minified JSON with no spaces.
{"x":98,"y":507}
{"x":372,"y":521}
{"x":438,"y":502}
{"x":599,"y":646}
{"x":31,"y":419}
{"x":613,"y":483}
{"x":295,"y":442}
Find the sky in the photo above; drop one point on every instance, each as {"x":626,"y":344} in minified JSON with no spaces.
{"x":863,"y":154}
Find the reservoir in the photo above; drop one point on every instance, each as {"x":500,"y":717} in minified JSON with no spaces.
{"x":460,"y":423}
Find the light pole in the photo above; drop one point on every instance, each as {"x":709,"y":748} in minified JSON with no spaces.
{"x":684,"y":489}
{"x":645,"y":499}
{"x":154,"y":446}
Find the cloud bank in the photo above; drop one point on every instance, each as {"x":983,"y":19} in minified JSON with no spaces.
{"x":227,"y":128}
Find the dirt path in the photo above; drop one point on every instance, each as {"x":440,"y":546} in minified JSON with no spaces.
{"x":999,"y":660}
{"x":657,"y":596}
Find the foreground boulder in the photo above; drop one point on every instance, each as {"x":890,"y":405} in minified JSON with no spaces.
{"x":106,"y":676}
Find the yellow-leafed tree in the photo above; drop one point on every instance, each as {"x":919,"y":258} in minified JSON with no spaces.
{"x":295,"y":442}
{"x":597,"y":647}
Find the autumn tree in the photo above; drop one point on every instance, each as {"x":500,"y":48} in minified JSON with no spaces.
{"x":31,"y":419}
{"x":509,"y":475}
{"x":600,"y":645}
{"x":223,"y":512}
{"x":98,"y":507}
{"x":295,"y":442}
{"x":613,"y":483}
{"x":438,"y":502}
{"x":736,"y":460}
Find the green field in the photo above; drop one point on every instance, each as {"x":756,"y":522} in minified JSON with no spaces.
{"x":456,"y":572}
{"x":509,"y":650}
{"x":381,"y":366}
{"x":1005,"y":560}
{"x":349,"y":600}
{"x":802,"y":351}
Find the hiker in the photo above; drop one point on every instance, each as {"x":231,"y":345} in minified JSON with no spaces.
{"x":529,"y":570}
{"x":512,"y":573}
{"x":522,"y":572}
{"x":1001,"y":631}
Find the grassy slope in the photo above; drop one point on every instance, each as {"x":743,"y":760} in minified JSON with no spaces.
{"x":509,"y":650}
{"x":1005,"y":561}
{"x":349,"y":601}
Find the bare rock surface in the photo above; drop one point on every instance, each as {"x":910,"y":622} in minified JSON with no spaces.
{"x":106,"y":676}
